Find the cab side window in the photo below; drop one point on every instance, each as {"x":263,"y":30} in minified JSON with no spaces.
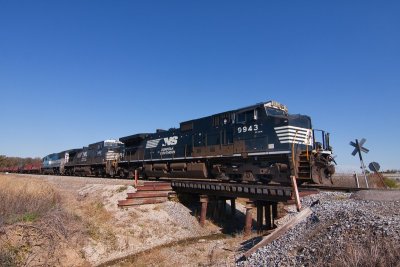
{"x":246,"y":116}
{"x":241,"y":117}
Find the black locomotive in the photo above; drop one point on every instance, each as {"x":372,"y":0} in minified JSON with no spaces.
{"x":99,"y":159}
{"x":259,"y":143}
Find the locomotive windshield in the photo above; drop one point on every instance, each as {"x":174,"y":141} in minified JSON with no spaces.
{"x":112,"y":143}
{"x":275,"y":112}
{"x":274,"y":108}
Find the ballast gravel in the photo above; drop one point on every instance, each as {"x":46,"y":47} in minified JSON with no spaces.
{"x":336,"y":219}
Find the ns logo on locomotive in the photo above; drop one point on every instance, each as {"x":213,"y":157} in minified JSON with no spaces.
{"x":260,"y":143}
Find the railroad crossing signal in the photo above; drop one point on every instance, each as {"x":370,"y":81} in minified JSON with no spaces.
{"x":358,"y":148}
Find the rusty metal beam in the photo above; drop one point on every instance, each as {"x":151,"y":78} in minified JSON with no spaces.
{"x":296,"y":192}
{"x":147,"y":194}
{"x":249,"y":217}
{"x":160,"y":187}
{"x":203,"y":212}
{"x":136,"y":178}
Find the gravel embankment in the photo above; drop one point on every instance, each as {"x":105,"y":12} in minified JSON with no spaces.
{"x":337,"y":221}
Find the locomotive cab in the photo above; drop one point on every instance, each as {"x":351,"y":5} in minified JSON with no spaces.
{"x":309,"y":159}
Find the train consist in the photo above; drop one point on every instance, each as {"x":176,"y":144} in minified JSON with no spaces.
{"x":261,"y":143}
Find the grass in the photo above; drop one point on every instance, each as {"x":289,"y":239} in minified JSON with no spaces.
{"x":122,"y":188}
{"x":97,"y":223}
{"x":375,"y":251}
{"x":96,"y":218}
{"x":30,"y":217}
{"x":25,"y":199}
{"x":34,"y":223}
{"x":7,"y":257}
{"x":391,"y":183}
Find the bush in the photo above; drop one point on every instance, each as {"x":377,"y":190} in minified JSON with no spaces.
{"x":391,"y":183}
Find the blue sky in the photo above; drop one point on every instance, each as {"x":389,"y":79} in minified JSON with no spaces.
{"x":76,"y":72}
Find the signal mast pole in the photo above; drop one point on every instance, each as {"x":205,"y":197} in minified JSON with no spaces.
{"x":362,"y":163}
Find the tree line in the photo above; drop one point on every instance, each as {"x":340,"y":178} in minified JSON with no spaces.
{"x":392,"y":171}
{"x":17,"y":161}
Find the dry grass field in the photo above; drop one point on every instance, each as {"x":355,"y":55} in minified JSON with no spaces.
{"x":75,"y":221}
{"x":376,"y":251}
{"x":25,"y":200}
{"x":35,"y":229}
{"x":348,"y":180}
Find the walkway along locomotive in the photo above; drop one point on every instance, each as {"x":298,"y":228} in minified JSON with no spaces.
{"x":259,"y":143}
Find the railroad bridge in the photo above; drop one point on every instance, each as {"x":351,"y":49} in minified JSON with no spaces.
{"x":264,"y":198}
{"x":213,"y":196}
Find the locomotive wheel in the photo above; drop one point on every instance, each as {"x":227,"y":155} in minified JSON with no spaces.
{"x":222,"y":177}
{"x":317,"y":173}
{"x":319,"y":176}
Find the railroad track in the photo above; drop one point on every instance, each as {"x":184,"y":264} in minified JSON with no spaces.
{"x":300,"y":187}
{"x":337,"y":188}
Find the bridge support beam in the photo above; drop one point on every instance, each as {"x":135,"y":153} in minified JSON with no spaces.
{"x":260,"y":216}
{"x":268,"y":221}
{"x":233,"y":207}
{"x":136,"y":178}
{"x":222,"y":208}
{"x":203,"y":212}
{"x":249,"y":217}
{"x":274,"y":213}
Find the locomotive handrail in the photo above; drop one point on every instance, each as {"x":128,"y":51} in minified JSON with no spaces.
{"x":294,"y":162}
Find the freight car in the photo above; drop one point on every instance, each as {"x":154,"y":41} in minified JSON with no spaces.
{"x":258,"y":143}
{"x":33,"y":168}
